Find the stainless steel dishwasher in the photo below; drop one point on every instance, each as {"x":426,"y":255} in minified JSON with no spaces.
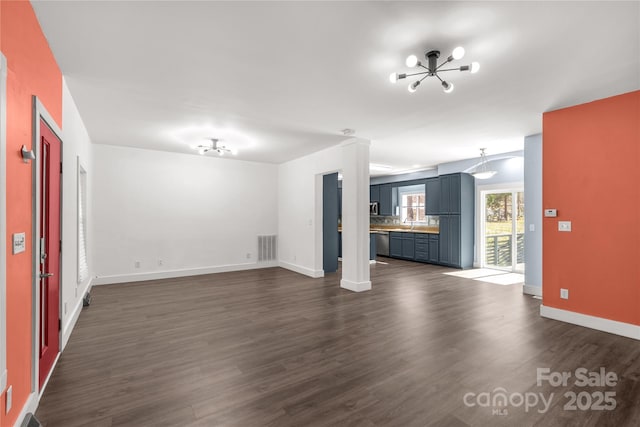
{"x":382,"y":243}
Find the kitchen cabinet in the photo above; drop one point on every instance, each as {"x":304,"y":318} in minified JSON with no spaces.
{"x":386,"y":200}
{"x":374,"y":193}
{"x":450,"y":240}
{"x":432,"y":196}
{"x":434,"y":248}
{"x":395,"y":245}
{"x":421,"y":247}
{"x":402,"y":245}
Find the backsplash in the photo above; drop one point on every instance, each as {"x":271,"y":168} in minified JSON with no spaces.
{"x":384,"y":220}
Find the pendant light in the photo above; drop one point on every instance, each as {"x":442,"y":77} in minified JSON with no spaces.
{"x":482,"y":171}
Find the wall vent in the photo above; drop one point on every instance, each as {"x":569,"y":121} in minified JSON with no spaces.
{"x":267,"y":248}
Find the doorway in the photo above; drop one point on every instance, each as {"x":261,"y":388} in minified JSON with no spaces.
{"x":49,"y":250}
{"x":503,"y":230}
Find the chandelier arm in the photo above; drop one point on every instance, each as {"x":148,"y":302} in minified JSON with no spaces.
{"x":441,"y":81}
{"x":425,"y":77}
{"x":441,"y":65}
{"x":416,"y":74}
{"x":451,"y":69}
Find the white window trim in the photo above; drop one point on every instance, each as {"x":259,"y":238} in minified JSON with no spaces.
{"x":82,"y":213}
{"x":3,"y":223}
{"x":412,"y":189}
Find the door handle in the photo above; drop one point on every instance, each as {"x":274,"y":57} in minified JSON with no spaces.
{"x":45,"y":275}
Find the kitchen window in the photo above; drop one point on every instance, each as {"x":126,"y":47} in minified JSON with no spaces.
{"x":412,"y":203}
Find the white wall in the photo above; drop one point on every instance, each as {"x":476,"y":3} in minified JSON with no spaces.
{"x":299,"y":183}
{"x":75,"y":145}
{"x":177,"y":214}
{"x":533,"y":214}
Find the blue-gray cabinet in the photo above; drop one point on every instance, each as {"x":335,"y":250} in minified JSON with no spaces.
{"x":421,"y":247}
{"x":456,"y":220}
{"x":434,"y":248}
{"x":401,"y":245}
{"x":432,"y":196}
{"x":395,"y":245}
{"x":374,"y":193}
{"x":386,"y":200}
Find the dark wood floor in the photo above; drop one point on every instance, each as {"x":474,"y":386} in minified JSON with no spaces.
{"x":274,"y":348}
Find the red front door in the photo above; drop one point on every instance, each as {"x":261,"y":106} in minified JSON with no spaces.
{"x":49,"y":272}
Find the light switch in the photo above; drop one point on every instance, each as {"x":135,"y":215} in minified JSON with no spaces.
{"x":564,"y":225}
{"x":550,"y":213}
{"x":19,"y":243}
{"x":532,"y":227}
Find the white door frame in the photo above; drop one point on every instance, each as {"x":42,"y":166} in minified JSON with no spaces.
{"x":3,"y":223}
{"x":481,"y":191}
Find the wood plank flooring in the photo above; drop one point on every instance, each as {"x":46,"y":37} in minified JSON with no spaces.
{"x":273,"y":348}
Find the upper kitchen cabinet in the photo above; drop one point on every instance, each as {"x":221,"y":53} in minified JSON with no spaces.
{"x":374,"y":193}
{"x":456,"y":190}
{"x":432,"y":196}
{"x":386,"y":200}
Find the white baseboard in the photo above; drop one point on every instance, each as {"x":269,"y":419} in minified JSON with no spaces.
{"x":170,"y":274}
{"x":532,"y":290}
{"x":611,"y":326}
{"x":30,"y":406}
{"x":302,"y":270}
{"x":355,"y":286}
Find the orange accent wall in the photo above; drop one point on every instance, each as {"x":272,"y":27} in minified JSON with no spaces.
{"x":591,"y":174}
{"x":32,"y":70}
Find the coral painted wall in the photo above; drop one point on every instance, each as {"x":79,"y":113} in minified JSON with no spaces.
{"x":591,"y":174}
{"x":32,"y":70}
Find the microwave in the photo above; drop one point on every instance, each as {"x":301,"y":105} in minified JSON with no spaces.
{"x":373,"y":208}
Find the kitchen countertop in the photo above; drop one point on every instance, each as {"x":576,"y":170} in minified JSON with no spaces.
{"x":421,"y":230}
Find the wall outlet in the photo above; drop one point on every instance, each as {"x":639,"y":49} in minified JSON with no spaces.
{"x":137,"y":264}
{"x":76,"y":296}
{"x":564,"y":293}
{"x":65,"y":308}
{"x":160,"y":262}
{"x":248,"y":255}
{"x":564,"y":225}
{"x":9,"y":401}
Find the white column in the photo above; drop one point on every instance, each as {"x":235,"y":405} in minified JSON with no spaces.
{"x":355,"y":215}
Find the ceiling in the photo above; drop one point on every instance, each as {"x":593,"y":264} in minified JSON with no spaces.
{"x":278,"y":80}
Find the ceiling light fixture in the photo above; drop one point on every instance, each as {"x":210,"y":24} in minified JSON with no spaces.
{"x":482,"y":171}
{"x":432,"y":68}
{"x":213,"y":146}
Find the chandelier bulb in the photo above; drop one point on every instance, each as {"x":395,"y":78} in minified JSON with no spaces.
{"x":475,"y":67}
{"x":393,"y":77}
{"x":411,"y":61}
{"x":458,"y":52}
{"x":448,"y":87}
{"x":413,"y":86}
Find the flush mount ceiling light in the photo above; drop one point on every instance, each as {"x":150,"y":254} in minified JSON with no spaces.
{"x":482,"y":171}
{"x":432,"y":68}
{"x":212,"y":145}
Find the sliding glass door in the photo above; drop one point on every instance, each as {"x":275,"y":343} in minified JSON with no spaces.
{"x":503,"y":230}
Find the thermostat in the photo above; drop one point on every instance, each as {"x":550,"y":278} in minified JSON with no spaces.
{"x":550,"y":212}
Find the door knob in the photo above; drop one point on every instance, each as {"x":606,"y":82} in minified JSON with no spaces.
{"x":45,"y":275}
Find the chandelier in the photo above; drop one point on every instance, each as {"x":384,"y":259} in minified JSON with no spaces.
{"x":213,"y":146}
{"x":482,"y":171}
{"x":432,"y":68}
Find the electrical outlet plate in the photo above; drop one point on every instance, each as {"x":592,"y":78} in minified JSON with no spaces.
{"x":550,"y":213}
{"x":564,"y":225}
{"x":564,"y":293}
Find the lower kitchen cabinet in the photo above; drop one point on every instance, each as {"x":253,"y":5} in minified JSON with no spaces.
{"x":401,"y":245}
{"x":434,"y":248}
{"x":421,"y":247}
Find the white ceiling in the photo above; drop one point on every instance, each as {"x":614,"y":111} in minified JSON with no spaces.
{"x":278,"y":80}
